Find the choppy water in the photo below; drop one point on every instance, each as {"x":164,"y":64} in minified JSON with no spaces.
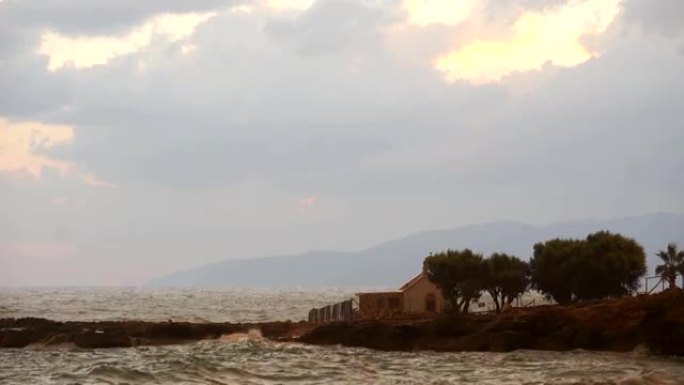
{"x":261,"y":362}
{"x":254,"y":361}
{"x":179,"y":304}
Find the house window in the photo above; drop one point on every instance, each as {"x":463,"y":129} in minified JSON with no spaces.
{"x":393,"y":303}
{"x":430,"y":303}
{"x":380,"y":303}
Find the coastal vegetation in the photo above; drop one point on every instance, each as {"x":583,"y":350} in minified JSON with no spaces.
{"x":462,"y":276}
{"x":505,"y":278}
{"x":459,"y":276}
{"x":603,"y":265}
{"x":673,"y":264}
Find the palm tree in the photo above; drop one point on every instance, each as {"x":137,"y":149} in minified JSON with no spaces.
{"x":673,"y":264}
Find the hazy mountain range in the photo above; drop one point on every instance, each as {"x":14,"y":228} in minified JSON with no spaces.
{"x":393,"y":262}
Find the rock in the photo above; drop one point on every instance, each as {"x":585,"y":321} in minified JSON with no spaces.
{"x":17,"y":339}
{"x":93,"y":340}
{"x":656,"y":322}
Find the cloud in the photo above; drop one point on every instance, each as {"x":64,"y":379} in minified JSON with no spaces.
{"x":662,"y":17}
{"x":60,"y":201}
{"x":67,"y":201}
{"x":214,"y":149}
{"x":446,"y":12}
{"x":331,"y":26}
{"x":538,"y":37}
{"x":92,"y":180}
{"x":22,"y":142}
{"x":658,"y":16}
{"x":89,"y":51}
{"x":82,"y":17}
{"x":47,"y":250}
{"x":290,"y":5}
{"x":307,"y":202}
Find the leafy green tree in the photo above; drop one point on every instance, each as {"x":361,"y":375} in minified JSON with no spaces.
{"x":673,"y":264}
{"x":603,"y":265}
{"x":550,"y":265}
{"x":612,"y":267}
{"x":505,"y":277}
{"x":458,"y":274}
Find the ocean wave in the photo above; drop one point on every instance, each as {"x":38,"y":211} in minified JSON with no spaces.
{"x":263,"y":362}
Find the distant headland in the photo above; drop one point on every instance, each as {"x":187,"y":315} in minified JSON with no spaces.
{"x":389,"y":263}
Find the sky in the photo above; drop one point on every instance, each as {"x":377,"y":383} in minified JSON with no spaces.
{"x":138,"y":138}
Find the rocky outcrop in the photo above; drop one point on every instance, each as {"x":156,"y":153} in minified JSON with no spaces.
{"x":18,"y":333}
{"x":655,"y":322}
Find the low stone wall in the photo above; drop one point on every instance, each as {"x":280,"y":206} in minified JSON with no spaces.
{"x":341,"y":311}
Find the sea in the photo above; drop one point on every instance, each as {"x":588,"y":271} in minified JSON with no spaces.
{"x":251,"y":359}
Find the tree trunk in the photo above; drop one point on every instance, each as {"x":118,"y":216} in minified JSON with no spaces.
{"x":459,"y":305}
{"x":455,"y":306}
{"x":495,"y":297}
{"x":466,"y":305}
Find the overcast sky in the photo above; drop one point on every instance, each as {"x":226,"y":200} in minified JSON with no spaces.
{"x":142,"y":137}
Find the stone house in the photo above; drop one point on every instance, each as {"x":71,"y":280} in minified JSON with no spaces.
{"x":422,"y":296}
{"x":417,"y":297}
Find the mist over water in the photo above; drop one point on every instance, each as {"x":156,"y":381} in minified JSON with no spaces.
{"x":249,"y":359}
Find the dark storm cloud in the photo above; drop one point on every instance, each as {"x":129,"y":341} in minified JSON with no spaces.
{"x":97,"y":16}
{"x":332,"y":24}
{"x":29,"y":91}
{"x":664,"y":17}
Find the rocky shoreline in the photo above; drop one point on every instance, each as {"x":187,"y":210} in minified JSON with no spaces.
{"x":655,"y":322}
{"x":23,"y":332}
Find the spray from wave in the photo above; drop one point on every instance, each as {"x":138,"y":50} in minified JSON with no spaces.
{"x":251,"y":335}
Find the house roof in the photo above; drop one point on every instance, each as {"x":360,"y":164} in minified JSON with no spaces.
{"x":379,"y":293}
{"x":412,"y":282}
{"x":403,"y":288}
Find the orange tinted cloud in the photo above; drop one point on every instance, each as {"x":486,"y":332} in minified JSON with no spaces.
{"x":307,"y":202}
{"x":21,"y":142}
{"x":537,"y":38}
{"x":90,"y":51}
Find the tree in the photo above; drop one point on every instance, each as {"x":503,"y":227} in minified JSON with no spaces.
{"x":505,"y":277}
{"x":458,"y":274}
{"x":550,"y":266}
{"x":673,"y":264}
{"x":613,"y":267}
{"x":603,"y":265}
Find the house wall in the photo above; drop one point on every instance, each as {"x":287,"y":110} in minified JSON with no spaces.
{"x":415,"y":295}
{"x":380,"y":305}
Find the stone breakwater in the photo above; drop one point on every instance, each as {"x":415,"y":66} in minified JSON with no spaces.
{"x":23,"y":332}
{"x":655,"y":322}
